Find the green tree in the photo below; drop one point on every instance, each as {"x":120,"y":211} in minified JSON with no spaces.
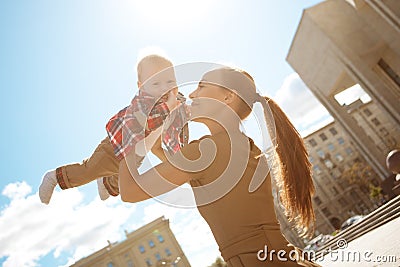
{"x":362,"y":175}
{"x":359,"y":173}
{"x":375,"y":192}
{"x":219,"y":263}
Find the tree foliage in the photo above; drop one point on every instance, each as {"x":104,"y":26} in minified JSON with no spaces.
{"x":359,"y":174}
{"x":219,"y":263}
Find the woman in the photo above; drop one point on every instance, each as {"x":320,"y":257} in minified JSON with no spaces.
{"x":230,"y":177}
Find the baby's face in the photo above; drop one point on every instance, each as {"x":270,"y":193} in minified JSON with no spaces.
{"x":158,"y":80}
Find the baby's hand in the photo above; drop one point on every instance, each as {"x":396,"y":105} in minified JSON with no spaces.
{"x":172,"y":102}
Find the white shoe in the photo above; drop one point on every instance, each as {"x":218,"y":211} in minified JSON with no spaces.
{"x":47,"y":186}
{"x":103,"y":193}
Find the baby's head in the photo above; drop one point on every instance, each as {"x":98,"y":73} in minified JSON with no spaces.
{"x":156,"y":75}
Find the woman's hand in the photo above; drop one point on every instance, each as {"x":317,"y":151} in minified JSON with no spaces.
{"x":156,"y":181}
{"x":172,"y":101}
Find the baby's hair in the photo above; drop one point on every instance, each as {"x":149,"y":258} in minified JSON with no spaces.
{"x":151,"y":55}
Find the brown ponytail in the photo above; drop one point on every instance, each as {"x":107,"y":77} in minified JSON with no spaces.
{"x":294,"y":177}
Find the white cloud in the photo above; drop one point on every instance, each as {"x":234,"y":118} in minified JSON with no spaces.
{"x":191,"y":231}
{"x":17,"y":190}
{"x":32,"y":230}
{"x":67,"y":226}
{"x":156,"y":210}
{"x":196,"y":239}
{"x":301,"y":106}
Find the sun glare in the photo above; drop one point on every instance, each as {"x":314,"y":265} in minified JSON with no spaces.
{"x":172,"y":13}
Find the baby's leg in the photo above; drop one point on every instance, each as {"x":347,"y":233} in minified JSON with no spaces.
{"x":110,"y":183}
{"x":102,"y":163}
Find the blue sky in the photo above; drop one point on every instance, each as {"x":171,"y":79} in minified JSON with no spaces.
{"x":68,"y":66}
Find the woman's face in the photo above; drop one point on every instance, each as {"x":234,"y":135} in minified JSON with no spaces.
{"x":208,"y":100}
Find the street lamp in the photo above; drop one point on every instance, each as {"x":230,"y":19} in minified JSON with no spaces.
{"x":169,"y":262}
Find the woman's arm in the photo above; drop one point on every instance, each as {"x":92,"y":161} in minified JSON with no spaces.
{"x":142,"y":147}
{"x":156,"y":181}
{"x":158,"y":151}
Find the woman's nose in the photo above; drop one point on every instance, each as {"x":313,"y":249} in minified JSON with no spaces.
{"x":192,"y":94}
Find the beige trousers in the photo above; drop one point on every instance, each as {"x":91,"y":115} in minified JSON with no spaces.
{"x":102,"y":163}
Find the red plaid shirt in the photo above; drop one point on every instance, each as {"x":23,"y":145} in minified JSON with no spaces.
{"x":136,"y":121}
{"x":175,"y":134}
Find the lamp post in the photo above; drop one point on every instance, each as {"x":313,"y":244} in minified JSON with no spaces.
{"x":170,"y":262}
{"x":393,"y":165}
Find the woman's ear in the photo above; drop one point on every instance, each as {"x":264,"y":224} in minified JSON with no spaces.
{"x":230,"y":97}
{"x":139,"y":84}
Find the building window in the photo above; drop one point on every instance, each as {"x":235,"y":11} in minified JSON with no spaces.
{"x":340,"y":140}
{"x":335,"y":173}
{"x":148,"y":262}
{"x":331,"y":146}
{"x":333,"y":131}
{"x":339,"y":157}
{"x":141,"y":249}
{"x":158,"y":256}
{"x":311,"y":159}
{"x":168,"y":252}
{"x":151,"y":244}
{"x":317,"y":200}
{"x":349,"y":151}
{"x":334,"y":190}
{"x":389,"y":71}
{"x":326,"y":212}
{"x":160,"y":238}
{"x":323,"y":137}
{"x":329,"y":164}
{"x":317,"y":169}
{"x":321,"y":153}
{"x":312,"y":142}
{"x":367,"y":112}
{"x":129,"y":263}
{"x":376,"y":122}
{"x":383,"y":131}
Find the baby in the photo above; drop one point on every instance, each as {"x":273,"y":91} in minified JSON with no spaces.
{"x":132,"y":128}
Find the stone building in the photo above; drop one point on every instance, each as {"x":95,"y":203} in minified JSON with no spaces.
{"x":151,"y":245}
{"x":344,"y":43}
{"x":332,"y":153}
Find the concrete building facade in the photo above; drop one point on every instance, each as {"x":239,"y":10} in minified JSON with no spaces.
{"x":151,"y":245}
{"x":332,"y":153}
{"x":342,"y":43}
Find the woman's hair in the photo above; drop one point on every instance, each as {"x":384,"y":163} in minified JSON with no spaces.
{"x":294,"y":170}
{"x":293,"y":166}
